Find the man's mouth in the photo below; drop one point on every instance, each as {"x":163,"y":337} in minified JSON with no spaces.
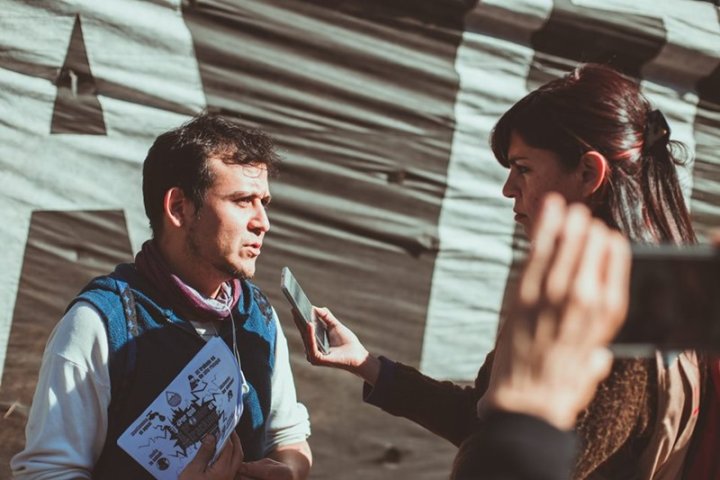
{"x":254,"y":248}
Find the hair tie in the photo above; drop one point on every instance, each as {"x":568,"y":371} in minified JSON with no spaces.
{"x":656,"y":130}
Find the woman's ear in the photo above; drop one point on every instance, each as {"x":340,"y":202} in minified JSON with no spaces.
{"x":175,"y":205}
{"x":594,"y":171}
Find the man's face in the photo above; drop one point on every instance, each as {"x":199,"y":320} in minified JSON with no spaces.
{"x":533,"y":173}
{"x":227,"y":232}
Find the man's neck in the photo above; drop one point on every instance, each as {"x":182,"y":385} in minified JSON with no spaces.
{"x":202,"y":278}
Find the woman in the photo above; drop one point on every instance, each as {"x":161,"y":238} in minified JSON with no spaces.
{"x":592,"y":137}
{"x":552,"y":367}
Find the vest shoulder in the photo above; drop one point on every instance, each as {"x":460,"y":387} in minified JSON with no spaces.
{"x":119,"y":290}
{"x":259,"y":299}
{"x":124,"y":274}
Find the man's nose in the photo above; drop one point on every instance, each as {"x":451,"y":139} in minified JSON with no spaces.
{"x":260,"y":221}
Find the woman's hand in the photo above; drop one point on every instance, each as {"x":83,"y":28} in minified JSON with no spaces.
{"x":346,"y":351}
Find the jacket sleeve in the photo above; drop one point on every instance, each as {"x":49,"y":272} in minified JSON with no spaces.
{"x":513,"y":446}
{"x":444,"y":408}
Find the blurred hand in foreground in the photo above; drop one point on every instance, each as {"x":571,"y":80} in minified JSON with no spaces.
{"x":571,"y":301}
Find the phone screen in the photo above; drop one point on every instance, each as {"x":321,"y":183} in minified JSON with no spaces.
{"x":674,"y":300}
{"x":297,"y":298}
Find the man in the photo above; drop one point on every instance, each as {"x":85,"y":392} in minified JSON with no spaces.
{"x":126,"y":337}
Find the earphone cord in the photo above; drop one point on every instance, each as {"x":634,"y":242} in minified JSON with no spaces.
{"x":234,"y":339}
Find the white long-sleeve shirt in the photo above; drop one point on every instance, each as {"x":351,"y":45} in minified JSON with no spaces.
{"x":68,"y":421}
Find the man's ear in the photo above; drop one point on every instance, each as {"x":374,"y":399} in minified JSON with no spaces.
{"x":175,"y":207}
{"x":594,"y":171}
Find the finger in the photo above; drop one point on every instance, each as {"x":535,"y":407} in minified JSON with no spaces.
{"x":715,"y":237}
{"x":601,"y":361}
{"x":306,"y":332}
{"x":571,"y":245}
{"x":231,"y":456}
{"x":617,"y":283}
{"x":258,"y":469}
{"x":223,"y":461}
{"x":314,"y":355}
{"x":544,"y":237}
{"x":553,"y":206}
{"x":312,"y":351}
{"x":203,"y":455}
{"x":598,"y":365}
{"x":237,"y":452}
{"x":561,"y":273}
{"x":326,"y":322}
{"x":327,"y":317}
{"x":584,"y":306}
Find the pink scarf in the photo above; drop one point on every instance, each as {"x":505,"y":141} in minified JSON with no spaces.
{"x":185,"y":299}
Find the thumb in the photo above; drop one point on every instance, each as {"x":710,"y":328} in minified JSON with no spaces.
{"x":601,"y":360}
{"x":327,"y":317}
{"x":203,"y":455}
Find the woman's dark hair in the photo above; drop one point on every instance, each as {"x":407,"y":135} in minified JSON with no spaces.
{"x":178,"y":158}
{"x":596,"y":108}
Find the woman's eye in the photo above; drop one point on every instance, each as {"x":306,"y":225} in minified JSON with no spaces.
{"x":521,"y":169}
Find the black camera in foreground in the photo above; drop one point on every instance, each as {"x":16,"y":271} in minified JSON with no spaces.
{"x":674,"y":300}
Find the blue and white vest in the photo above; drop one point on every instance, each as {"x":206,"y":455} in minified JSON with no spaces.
{"x":149,"y":345}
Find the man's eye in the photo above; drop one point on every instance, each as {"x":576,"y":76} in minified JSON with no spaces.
{"x":520,"y":169}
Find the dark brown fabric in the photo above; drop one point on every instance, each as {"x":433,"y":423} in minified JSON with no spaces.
{"x":444,"y":408}
{"x":612,"y":432}
{"x":512,"y":446}
{"x":615,"y":428}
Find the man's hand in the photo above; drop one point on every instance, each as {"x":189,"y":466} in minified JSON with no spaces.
{"x":572,"y":300}
{"x":265,"y":469}
{"x":224,"y":468}
{"x":346,"y":350}
{"x":287,"y":462}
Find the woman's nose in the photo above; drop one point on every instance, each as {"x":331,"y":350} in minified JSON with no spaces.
{"x":509,"y":189}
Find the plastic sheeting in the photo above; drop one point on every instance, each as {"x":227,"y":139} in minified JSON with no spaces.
{"x":388,"y":207}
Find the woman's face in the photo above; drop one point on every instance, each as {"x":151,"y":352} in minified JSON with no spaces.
{"x":533,"y":173}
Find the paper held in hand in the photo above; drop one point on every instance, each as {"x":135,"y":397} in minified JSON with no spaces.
{"x":205,"y":397}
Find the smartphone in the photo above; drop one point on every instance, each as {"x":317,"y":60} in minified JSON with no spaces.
{"x":674,"y":300}
{"x":297,"y":298}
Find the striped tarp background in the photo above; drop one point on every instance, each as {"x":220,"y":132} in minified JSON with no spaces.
{"x":388,"y":207}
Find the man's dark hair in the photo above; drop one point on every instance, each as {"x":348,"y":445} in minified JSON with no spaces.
{"x":178,"y":158}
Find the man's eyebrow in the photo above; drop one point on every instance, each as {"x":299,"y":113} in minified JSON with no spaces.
{"x":250,"y":193}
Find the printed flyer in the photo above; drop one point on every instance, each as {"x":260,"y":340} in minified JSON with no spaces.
{"x":205,"y":397}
